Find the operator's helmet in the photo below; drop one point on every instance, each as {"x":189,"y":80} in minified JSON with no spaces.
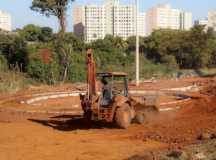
{"x":154,"y":75}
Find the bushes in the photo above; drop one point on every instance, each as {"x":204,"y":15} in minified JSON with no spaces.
{"x":67,"y":57}
{"x":147,"y":68}
{"x":12,"y":80}
{"x":3,"y":61}
{"x":77,"y":71}
{"x":38,"y":70}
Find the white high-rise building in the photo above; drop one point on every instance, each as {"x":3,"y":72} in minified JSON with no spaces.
{"x":202,"y":22}
{"x":111,"y":18}
{"x":162,"y":17}
{"x":212,"y":20}
{"x":5,"y":21}
{"x":142,"y":28}
{"x":185,"y":21}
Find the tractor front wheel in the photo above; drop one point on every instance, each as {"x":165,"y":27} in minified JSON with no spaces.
{"x":141,"y":117}
{"x":123,"y":116}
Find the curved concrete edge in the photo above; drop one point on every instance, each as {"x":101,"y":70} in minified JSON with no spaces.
{"x":30,"y":111}
{"x":40,"y":95}
{"x":174,"y":102}
{"x":133,"y":92}
{"x":51,"y":97}
{"x":178,"y":89}
{"x":186,"y":97}
{"x":168,"y":109}
{"x":69,"y":112}
{"x":11,"y":109}
{"x":161,"y":93}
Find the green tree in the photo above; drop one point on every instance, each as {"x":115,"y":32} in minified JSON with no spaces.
{"x":120,"y":43}
{"x":94,"y":35}
{"x":83,"y":35}
{"x":110,"y":39}
{"x":46,"y":34}
{"x":31,"y":32}
{"x":102,"y":45}
{"x":3,"y":61}
{"x":175,"y":43}
{"x":38,"y":70}
{"x":131,"y":41}
{"x":64,"y":48}
{"x":19,"y":52}
{"x":74,"y":40}
{"x":5,"y":45}
{"x":170,"y":62}
{"x":200,"y":44}
{"x":56,"y":8}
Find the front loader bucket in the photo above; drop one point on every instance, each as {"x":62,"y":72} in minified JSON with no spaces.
{"x":151,"y":104}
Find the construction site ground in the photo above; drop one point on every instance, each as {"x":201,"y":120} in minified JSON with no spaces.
{"x":44,"y":135}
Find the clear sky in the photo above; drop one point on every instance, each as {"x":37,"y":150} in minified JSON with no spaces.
{"x":21,"y":15}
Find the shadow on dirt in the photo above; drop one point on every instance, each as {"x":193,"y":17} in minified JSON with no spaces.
{"x":75,"y":122}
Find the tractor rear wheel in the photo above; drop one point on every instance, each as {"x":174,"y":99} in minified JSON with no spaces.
{"x":141,"y":117}
{"x":123,"y":116}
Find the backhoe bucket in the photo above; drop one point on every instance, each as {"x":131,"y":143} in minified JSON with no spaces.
{"x":151,"y":104}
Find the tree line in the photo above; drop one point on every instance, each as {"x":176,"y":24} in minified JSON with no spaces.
{"x":61,"y":57}
{"x":163,"y":52}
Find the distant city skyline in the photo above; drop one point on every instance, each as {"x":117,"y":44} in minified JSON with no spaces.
{"x":95,"y":21}
{"x":21,"y":15}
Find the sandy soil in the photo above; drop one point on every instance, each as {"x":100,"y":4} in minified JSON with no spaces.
{"x":60,"y":136}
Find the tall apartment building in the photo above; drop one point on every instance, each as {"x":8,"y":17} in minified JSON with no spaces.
{"x":162,"y":17}
{"x":111,"y":18}
{"x":5,"y":21}
{"x":212,"y":20}
{"x":185,"y":21}
{"x":79,"y":20}
{"x":202,"y":22}
{"x":141,"y":27}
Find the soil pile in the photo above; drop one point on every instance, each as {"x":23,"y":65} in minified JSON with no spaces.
{"x":191,"y":73}
{"x":209,"y":133}
{"x":210,"y":89}
{"x":187,"y":126}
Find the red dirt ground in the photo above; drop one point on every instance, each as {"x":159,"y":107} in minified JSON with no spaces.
{"x":49,"y":136}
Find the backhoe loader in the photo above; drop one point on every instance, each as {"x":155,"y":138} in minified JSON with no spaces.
{"x":115,"y":103}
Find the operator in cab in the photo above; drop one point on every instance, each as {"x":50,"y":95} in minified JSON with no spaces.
{"x":106,"y":90}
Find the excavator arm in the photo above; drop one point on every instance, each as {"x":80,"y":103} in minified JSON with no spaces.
{"x":92,"y":88}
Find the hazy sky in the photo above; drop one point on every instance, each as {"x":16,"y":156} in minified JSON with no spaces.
{"x":21,"y":15}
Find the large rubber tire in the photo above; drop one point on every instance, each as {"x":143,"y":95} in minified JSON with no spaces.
{"x":141,"y":117}
{"x":123,"y":116}
{"x":87,"y":119}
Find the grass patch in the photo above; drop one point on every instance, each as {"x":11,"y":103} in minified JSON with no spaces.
{"x":208,"y":149}
{"x":208,"y":70}
{"x":12,"y":81}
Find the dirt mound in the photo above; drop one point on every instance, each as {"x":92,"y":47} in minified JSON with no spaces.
{"x":210,"y":89}
{"x":209,"y":133}
{"x":191,"y":73}
{"x":46,"y":55}
{"x":187,"y":126}
{"x":205,"y":106}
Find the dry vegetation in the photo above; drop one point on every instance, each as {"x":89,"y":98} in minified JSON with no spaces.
{"x":12,"y":80}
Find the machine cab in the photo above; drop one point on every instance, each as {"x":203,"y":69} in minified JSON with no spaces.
{"x":113,"y":83}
